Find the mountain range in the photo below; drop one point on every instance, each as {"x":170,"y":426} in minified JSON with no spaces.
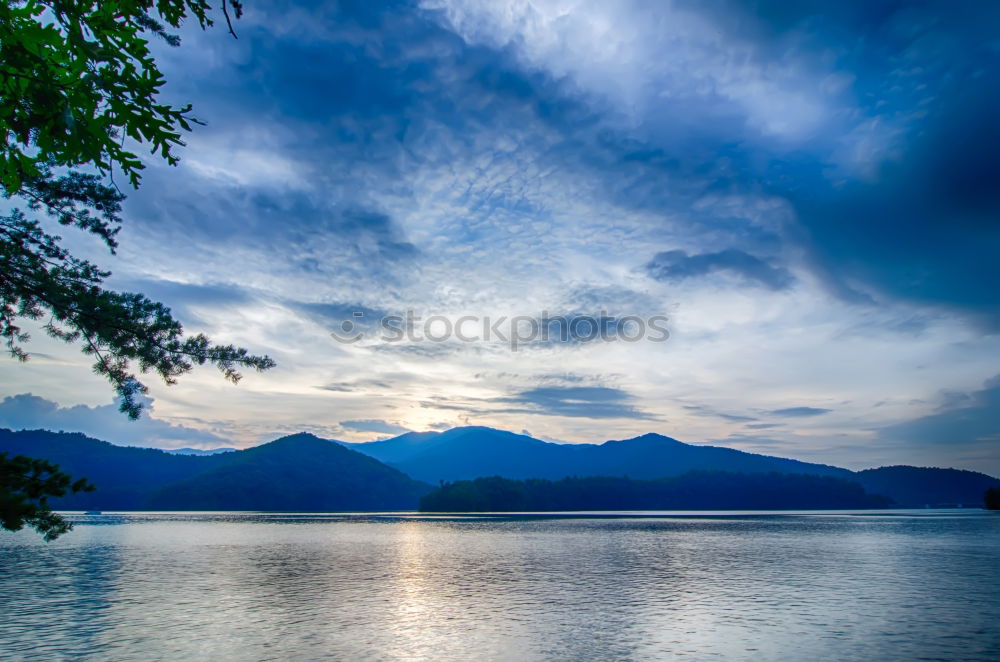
{"x":298,"y":472}
{"x":305,"y":472}
{"x":198,"y":451}
{"x":471,"y":452}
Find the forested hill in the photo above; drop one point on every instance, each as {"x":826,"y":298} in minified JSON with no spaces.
{"x":298,"y":472}
{"x":697,"y":490}
{"x":917,"y":487}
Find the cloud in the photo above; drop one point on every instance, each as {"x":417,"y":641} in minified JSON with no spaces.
{"x":671,"y":57}
{"x":347,"y":320}
{"x":595,"y":402}
{"x":427,"y":351}
{"x":359,"y":385}
{"x":880,"y":150}
{"x":677,"y":265}
{"x":579,"y":401}
{"x":209,"y":294}
{"x":800,"y":412}
{"x":914,"y":219}
{"x":374,"y":425}
{"x":966,"y":420}
{"x":190,"y":300}
{"x":703,"y":410}
{"x":105,"y":422}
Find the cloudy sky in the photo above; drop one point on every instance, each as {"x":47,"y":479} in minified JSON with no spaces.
{"x":808,"y":191}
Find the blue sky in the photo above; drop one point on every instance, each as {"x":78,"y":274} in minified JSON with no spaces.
{"x":807,"y":190}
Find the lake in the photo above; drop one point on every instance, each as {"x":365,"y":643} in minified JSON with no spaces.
{"x":819,"y":586}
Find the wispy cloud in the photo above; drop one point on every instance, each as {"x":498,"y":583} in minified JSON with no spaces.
{"x":800,"y":412}
{"x":374,"y":425}
{"x":673,"y":266}
{"x":580,"y":401}
{"x":965,"y":420}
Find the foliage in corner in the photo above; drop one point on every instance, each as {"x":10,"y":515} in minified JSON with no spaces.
{"x":79,"y":89}
{"x":25,"y":487}
{"x":77,"y":76}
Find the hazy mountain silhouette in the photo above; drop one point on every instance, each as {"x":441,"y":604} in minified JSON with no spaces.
{"x":304,"y":472}
{"x":473,"y":452}
{"x":470,"y":452}
{"x":300,"y":472}
{"x":199,"y":451}
{"x":399,"y":448}
{"x":126,"y":475}
{"x":476,"y":452}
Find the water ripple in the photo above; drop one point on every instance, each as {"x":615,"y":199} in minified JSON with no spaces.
{"x":400,"y":587}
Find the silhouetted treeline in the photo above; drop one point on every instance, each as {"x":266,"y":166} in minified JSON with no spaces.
{"x":917,"y":487}
{"x":698,"y":490}
{"x":992,"y":498}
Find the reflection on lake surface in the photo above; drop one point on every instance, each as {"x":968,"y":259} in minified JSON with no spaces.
{"x":904,"y":585}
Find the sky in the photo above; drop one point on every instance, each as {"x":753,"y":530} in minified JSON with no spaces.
{"x":806,"y":192}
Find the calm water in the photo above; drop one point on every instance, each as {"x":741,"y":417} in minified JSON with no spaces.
{"x":908,"y":585}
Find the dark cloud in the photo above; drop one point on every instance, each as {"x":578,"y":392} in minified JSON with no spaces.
{"x":573,"y":401}
{"x":184,"y":299}
{"x":579,"y":401}
{"x":965,"y":420}
{"x":316,"y":234}
{"x":338,"y":388}
{"x":922,"y":225}
{"x":580,"y":328}
{"x":105,"y":422}
{"x":800,"y":412}
{"x":335,"y":314}
{"x":391,"y":89}
{"x":212,"y":294}
{"x":360,"y":385}
{"x":736,"y":418}
{"x":702,"y":410}
{"x":674,"y":266}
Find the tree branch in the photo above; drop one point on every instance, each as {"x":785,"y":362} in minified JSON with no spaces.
{"x":229,"y":23}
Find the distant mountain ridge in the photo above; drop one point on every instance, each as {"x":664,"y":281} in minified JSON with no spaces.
{"x":467,"y":453}
{"x":473,"y":452}
{"x":199,"y":451}
{"x":297,"y":472}
{"x":125,"y":473}
{"x":305,"y":472}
